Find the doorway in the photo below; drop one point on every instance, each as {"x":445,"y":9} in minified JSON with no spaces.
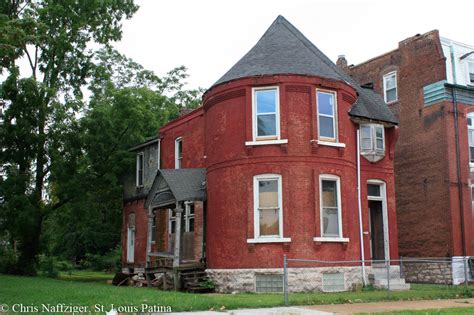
{"x":131,"y":238}
{"x":379,"y":244}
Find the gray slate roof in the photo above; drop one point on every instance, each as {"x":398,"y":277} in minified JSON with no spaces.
{"x":184,"y":184}
{"x":283,"y":49}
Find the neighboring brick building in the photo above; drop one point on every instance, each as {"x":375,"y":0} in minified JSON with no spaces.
{"x":433,"y":166}
{"x":268,"y":167}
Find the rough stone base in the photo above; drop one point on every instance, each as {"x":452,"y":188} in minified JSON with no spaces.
{"x":299,"y":279}
{"x":428,"y":272}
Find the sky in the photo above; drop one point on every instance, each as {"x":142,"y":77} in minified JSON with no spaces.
{"x":209,"y":36}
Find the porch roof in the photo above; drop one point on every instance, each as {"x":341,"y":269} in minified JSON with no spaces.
{"x":175,"y":185}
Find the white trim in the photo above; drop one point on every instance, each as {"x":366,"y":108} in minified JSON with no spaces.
{"x":469,"y":129}
{"x":383,"y":198}
{"x":137,"y":182}
{"x":158,"y":162}
{"x":331,"y":239}
{"x":178,"y":160}
{"x":268,"y":240}
{"x":468,"y":80}
{"x":255,"y":136}
{"x":337,"y":179}
{"x":335,"y":124}
{"x":265,"y":142}
{"x":393,"y":73}
{"x":373,"y":138}
{"x":330,"y":144}
{"x":256,"y":214}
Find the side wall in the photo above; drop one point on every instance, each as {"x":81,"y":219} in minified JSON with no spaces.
{"x":422,"y":164}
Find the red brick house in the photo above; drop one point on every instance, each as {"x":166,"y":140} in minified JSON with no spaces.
{"x":428,"y":82}
{"x":268,"y":166}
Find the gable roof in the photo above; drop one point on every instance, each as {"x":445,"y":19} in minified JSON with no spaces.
{"x":283,"y":49}
{"x":174,"y":185}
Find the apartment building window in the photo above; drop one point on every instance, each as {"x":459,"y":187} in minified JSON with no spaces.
{"x":268,"y":206}
{"x":189,"y":218}
{"x":178,"y":152}
{"x":266,"y":113}
{"x":470,"y":66}
{"x":330,"y":202}
{"x":153,"y":228}
{"x":372,"y":138}
{"x":390,"y":87}
{"x":140,"y":169}
{"x":470,"y":136}
{"x":327,"y":113}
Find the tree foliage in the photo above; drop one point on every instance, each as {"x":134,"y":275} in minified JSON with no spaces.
{"x":53,"y":36}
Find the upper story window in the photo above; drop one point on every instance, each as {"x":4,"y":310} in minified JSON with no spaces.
{"x":268,"y":216}
{"x":266,"y":110}
{"x":372,"y":142}
{"x":390,"y":91}
{"x":140,"y":169}
{"x":327,"y":115}
{"x":330,"y":202}
{"x":189,"y":218}
{"x":178,"y":152}
{"x":470,"y":135}
{"x":470,"y":70}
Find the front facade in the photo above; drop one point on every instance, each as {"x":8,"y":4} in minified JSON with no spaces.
{"x":428,"y":82}
{"x":282,"y":143}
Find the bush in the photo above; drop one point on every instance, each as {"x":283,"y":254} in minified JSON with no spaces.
{"x":108,"y":262}
{"x":8,"y":257}
{"x":48,"y":267}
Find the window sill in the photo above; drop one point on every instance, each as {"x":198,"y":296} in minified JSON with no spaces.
{"x":269,"y":240}
{"x":331,"y":239}
{"x":330,"y":144}
{"x":266,"y":142}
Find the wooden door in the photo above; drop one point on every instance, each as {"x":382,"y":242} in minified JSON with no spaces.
{"x":376,"y":230}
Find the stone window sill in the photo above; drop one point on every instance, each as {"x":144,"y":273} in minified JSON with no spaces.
{"x":330,"y":144}
{"x":266,"y":142}
{"x":331,"y":239}
{"x":269,"y":240}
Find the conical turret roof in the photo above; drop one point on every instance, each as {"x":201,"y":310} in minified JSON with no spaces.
{"x":283,"y":49}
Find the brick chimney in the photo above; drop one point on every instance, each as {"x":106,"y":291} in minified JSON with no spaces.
{"x":342,"y":62}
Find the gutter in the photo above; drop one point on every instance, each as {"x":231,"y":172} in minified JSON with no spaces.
{"x":359,"y":205}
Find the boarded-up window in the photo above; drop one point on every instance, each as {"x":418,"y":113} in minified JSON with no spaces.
{"x":333,"y":282}
{"x":268,"y":199}
{"x":269,"y":283}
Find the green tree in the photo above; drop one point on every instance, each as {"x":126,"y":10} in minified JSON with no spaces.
{"x":54,"y":37}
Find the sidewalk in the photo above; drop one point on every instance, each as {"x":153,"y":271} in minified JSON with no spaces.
{"x":343,"y":309}
{"x":392,"y":306}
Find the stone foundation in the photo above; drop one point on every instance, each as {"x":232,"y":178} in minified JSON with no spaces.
{"x":428,"y":272}
{"x":299,"y":279}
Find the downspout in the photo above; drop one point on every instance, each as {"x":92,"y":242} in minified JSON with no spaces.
{"x":458,"y":154}
{"x":359,"y":204}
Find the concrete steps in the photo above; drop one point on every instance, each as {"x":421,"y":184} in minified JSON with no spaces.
{"x":378,"y":278}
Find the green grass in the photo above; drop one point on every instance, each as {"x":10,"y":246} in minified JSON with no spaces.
{"x":85,"y":276}
{"x":38,"y":290}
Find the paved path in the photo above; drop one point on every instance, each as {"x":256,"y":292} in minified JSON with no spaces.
{"x":392,"y":306}
{"x":343,"y":309}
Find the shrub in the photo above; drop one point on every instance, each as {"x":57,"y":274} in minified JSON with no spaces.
{"x":48,"y":266}
{"x":8,"y":257}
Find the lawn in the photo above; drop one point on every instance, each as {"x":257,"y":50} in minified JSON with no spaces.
{"x":86,"y":276}
{"x":38,"y":291}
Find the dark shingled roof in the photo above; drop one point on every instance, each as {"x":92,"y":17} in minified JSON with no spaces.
{"x":184,"y":184}
{"x":283,"y":49}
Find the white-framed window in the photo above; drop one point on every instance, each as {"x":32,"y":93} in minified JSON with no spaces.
{"x":390,"y":90}
{"x":178,"y":152}
{"x":266,"y":113}
{"x":189,"y":218}
{"x":470,"y":136}
{"x":326,"y":106}
{"x":171,"y":221}
{"x":268,"y":212}
{"x":372,"y":137}
{"x":330,"y":204}
{"x":470,"y":72}
{"x":140,"y":169}
{"x":153,"y":227}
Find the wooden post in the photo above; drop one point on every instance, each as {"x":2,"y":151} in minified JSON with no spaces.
{"x":148,"y":245}
{"x":177,"y":246}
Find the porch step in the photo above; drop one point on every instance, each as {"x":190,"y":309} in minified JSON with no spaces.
{"x":378,"y":278}
{"x":196,"y":281}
